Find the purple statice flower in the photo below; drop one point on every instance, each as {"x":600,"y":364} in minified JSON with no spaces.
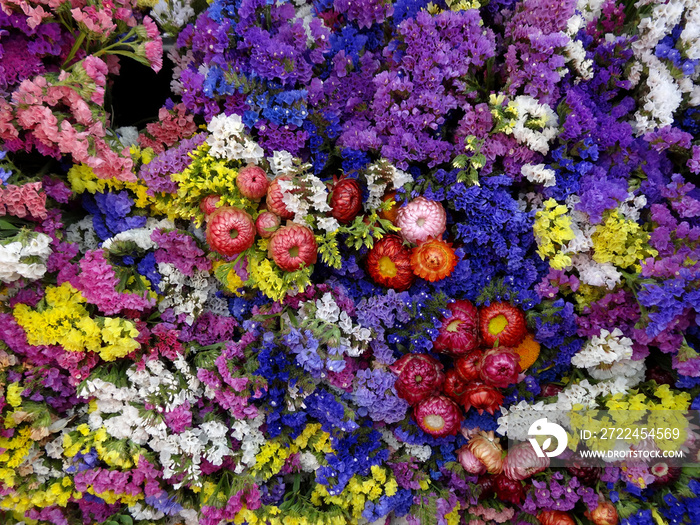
{"x":365,"y":12}
{"x":600,"y":193}
{"x":156,"y":174}
{"x":57,"y":189}
{"x":98,"y":283}
{"x":180,"y":250}
{"x":413,"y":97}
{"x":668,"y":137}
{"x":374,"y":390}
{"x":535,"y":52}
{"x":179,"y":418}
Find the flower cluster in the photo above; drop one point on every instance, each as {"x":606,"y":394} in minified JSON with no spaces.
{"x":369,"y":263}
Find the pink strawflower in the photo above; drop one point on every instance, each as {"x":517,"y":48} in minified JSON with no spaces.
{"x":421,"y":219}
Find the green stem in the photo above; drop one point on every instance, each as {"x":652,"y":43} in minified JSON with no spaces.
{"x":78,"y":42}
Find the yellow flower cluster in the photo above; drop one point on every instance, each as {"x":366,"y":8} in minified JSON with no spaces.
{"x":274,"y":282}
{"x":621,"y":242}
{"x":358,"y":491}
{"x":273,"y":454}
{"x":64,"y":320}
{"x":112,"y":451}
{"x":271,"y":515}
{"x":552,"y":229}
{"x":82,"y":179}
{"x":206,"y":175}
{"x":15,"y":452}
{"x":57,"y":493}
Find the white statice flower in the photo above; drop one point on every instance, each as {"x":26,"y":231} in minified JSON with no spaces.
{"x":190,"y":516}
{"x":590,"y":9}
{"x":690,"y":36}
{"x":251,"y":438}
{"x":281,"y":163}
{"x":308,"y":462}
{"x":632,"y":371}
{"x":327,"y":309}
{"x":604,"y":349}
{"x":83,"y":234}
{"x":662,"y":99}
{"x":379,"y":176}
{"x":515,"y":421}
{"x":421,"y":452}
{"x":175,"y":13}
{"x":632,"y":207}
{"x":329,"y":224}
{"x":54,"y":449}
{"x":141,"y":512}
{"x":594,"y":273}
{"x":533,"y":114}
{"x":128,"y":136}
{"x":24,"y":256}
{"x":313,"y":198}
{"x":227,"y":140}
{"x":184,"y":294}
{"x":141,"y":236}
{"x":539,"y":174}
{"x":576,"y":54}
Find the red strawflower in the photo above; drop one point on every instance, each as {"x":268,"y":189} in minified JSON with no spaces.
{"x":346,"y":200}
{"x":469,"y":366}
{"x":389,"y":263}
{"x":267,"y":223}
{"x":420,"y":376}
{"x":455,"y":387}
{"x":438,"y":416}
{"x":664,"y":474}
{"x":504,"y":323}
{"x":274,"y":200}
{"x":459,"y":333}
{"x":230,"y":231}
{"x":509,"y":490}
{"x":482,"y":397}
{"x":252,"y":182}
{"x":292,"y":247}
{"x":208,"y":204}
{"x":500,"y":368}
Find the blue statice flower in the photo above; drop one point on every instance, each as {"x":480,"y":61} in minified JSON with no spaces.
{"x":110,"y":213}
{"x":354,"y":454}
{"x":148,"y":267}
{"x":327,"y":410}
{"x":400,"y":503}
{"x":164,"y":503}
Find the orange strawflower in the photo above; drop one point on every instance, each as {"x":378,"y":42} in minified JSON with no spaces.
{"x":433,"y":260}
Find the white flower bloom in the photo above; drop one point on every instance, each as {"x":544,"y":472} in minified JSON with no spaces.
{"x":604,"y":349}
{"x":175,"y":13}
{"x":281,"y":162}
{"x":128,"y":135}
{"x":308,"y":462}
{"x":421,"y":452}
{"x":594,"y":273}
{"x":539,"y":174}
{"x":326,"y":309}
{"x":533,"y":114}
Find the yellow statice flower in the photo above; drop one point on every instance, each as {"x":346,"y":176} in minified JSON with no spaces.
{"x":621,"y":242}
{"x":81,"y":179}
{"x":552,"y":229}
{"x":13,"y":394}
{"x":65,"y":321}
